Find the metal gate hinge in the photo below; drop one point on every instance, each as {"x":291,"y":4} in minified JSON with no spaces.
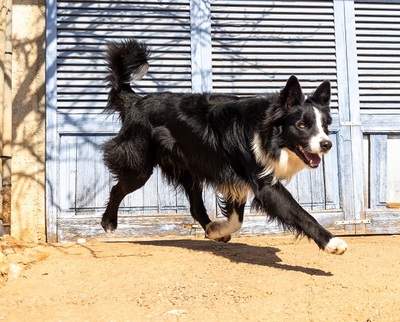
{"x":352,"y":222}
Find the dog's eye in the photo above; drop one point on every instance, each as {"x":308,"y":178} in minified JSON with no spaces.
{"x":302,"y":125}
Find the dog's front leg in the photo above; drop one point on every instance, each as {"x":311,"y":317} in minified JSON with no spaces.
{"x":279,"y":204}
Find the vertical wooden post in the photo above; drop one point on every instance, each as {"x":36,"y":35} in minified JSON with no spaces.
{"x":200,"y":34}
{"x":52,"y":140}
{"x":350,"y":136}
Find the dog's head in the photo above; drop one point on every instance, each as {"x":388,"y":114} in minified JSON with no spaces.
{"x":304,"y":127}
{"x":299,"y":134}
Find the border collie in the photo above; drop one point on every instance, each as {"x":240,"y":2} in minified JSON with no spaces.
{"x":236,"y":145}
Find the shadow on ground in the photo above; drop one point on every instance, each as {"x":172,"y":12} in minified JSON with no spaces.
{"x":237,"y":253}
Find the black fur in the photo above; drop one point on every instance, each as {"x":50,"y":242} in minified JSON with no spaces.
{"x":223,"y":141}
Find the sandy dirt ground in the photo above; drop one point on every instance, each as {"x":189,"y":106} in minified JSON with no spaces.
{"x":249,"y":279}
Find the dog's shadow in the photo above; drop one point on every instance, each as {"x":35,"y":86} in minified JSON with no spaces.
{"x":237,"y":253}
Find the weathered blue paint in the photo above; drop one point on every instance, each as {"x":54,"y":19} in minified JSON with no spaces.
{"x":223,"y":46}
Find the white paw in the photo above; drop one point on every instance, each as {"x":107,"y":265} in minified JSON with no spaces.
{"x":215,"y":230}
{"x":336,"y":246}
{"x":221,"y":230}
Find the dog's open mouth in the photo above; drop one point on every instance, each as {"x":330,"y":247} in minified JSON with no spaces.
{"x":311,"y":159}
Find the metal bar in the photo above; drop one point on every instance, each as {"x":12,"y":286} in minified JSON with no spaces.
{"x":352,"y":222}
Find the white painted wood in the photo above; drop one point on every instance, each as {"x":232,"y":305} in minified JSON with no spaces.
{"x":383,"y":221}
{"x":350,"y":139}
{"x":86,"y":176}
{"x":377,"y":26}
{"x":84,"y":29}
{"x":393,"y":173}
{"x":378,"y":47}
{"x":378,"y":179}
{"x":224,"y":46}
{"x":200,"y":32}
{"x":52,"y":184}
{"x":331,"y":175}
{"x":387,"y":122}
{"x":149,"y":191}
{"x":173,"y":225}
{"x":257,"y":47}
{"x":67,"y":173}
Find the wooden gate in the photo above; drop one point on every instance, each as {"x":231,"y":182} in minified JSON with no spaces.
{"x":225,"y":46}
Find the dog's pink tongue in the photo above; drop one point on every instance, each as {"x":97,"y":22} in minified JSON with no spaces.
{"x":314,"y":158}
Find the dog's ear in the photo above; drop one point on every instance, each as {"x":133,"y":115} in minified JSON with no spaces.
{"x":322,"y":94}
{"x":292,"y":94}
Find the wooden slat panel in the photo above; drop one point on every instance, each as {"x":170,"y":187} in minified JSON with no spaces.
{"x":331,"y":173}
{"x":67,"y":173}
{"x":304,"y":189}
{"x":318,"y":191}
{"x":377,"y":27}
{"x":268,"y":41}
{"x":393,"y":174}
{"x":84,"y":29}
{"x":284,"y":5}
{"x":378,"y":47}
{"x":383,"y":222}
{"x":88,"y":226}
{"x":87,"y":182}
{"x":134,"y":203}
{"x":300,"y":40}
{"x":89,"y":172}
{"x":377,"y":171}
{"x":380,"y":121}
{"x":104,"y":179}
{"x":167,"y":197}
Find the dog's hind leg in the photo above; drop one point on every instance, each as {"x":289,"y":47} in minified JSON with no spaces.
{"x":222,"y":230}
{"x":129,"y":158}
{"x":219,"y":231}
{"x":127,"y":183}
{"x":197,"y":208}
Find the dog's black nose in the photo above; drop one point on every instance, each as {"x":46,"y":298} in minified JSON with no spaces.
{"x":326,"y":145}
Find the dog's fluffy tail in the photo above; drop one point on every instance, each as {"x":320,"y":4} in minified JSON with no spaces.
{"x":127,"y":62}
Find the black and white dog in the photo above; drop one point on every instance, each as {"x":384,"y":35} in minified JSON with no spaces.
{"x":235,"y":145}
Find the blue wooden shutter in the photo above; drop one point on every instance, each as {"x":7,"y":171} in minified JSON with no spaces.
{"x":378,"y":52}
{"x":284,"y":41}
{"x":83,"y":30}
{"x":377,"y":25}
{"x":258,"y":45}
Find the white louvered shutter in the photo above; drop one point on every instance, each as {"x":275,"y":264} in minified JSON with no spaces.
{"x":257,"y":45}
{"x":85,"y":27}
{"x":378,"y":54}
{"x":377,"y":25}
{"x":83,"y":30}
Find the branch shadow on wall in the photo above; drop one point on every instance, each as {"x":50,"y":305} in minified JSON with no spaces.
{"x":86,"y":27}
{"x":81,"y":70}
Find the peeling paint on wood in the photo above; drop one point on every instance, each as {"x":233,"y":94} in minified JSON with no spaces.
{"x":70,"y":229}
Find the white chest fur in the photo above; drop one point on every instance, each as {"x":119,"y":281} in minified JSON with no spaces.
{"x":283,"y":168}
